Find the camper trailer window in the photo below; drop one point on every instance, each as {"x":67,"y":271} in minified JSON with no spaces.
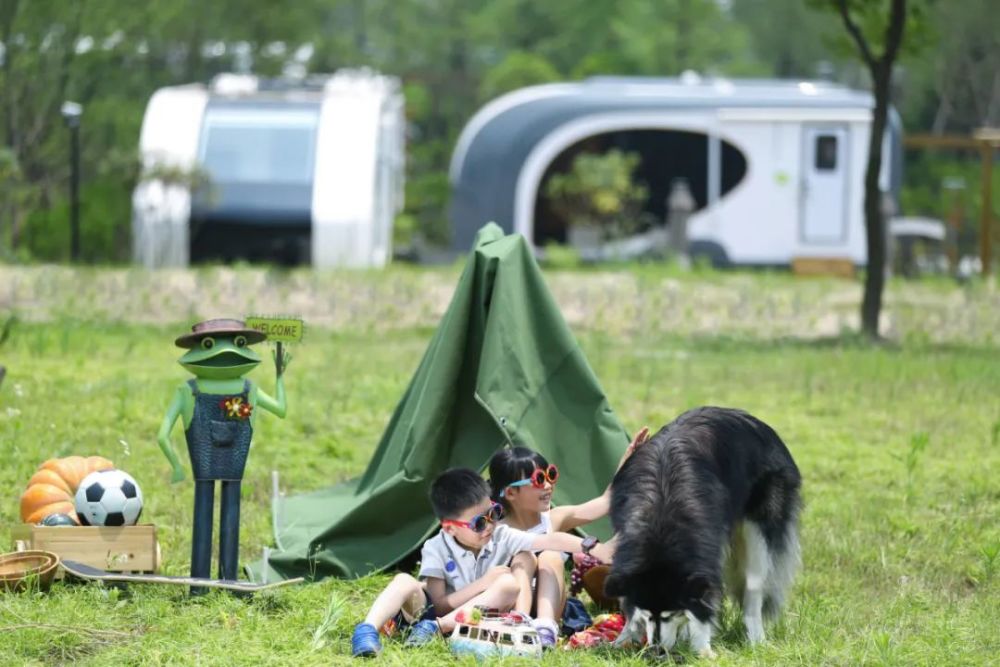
{"x":826,"y":152}
{"x":258,"y":146}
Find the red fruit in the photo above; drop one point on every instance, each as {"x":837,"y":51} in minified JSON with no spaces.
{"x":612,"y":622}
{"x":609,"y":635}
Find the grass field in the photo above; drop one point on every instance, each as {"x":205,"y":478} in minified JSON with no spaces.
{"x":899,"y":447}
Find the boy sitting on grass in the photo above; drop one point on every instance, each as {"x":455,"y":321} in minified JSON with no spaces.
{"x":468,"y":563}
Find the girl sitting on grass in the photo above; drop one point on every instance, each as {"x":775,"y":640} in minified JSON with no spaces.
{"x":522,"y":481}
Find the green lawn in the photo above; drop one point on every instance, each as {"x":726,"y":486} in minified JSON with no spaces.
{"x":899,"y":448}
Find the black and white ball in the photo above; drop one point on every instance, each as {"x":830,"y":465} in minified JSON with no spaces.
{"x":108,"y":498}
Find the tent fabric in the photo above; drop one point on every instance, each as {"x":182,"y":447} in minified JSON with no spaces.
{"x":502,"y":369}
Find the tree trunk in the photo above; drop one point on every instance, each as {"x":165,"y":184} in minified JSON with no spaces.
{"x":880,"y":68}
{"x":8,"y":15}
{"x":871,"y":304}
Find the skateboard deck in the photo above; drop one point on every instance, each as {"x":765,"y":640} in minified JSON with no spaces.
{"x":96,"y":574}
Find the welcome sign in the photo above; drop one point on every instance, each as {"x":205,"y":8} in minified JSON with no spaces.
{"x":279,"y":329}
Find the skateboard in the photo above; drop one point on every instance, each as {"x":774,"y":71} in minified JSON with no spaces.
{"x":90,"y":573}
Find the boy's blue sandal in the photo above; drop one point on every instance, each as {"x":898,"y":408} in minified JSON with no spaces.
{"x":422,"y":633}
{"x":365,"y":642}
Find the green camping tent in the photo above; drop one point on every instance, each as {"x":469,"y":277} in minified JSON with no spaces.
{"x":502,"y":368}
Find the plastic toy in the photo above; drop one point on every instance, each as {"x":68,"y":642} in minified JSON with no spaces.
{"x":219,"y":407}
{"x":486,"y":633}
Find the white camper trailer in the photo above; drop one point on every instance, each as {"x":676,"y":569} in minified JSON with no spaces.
{"x":776,"y":168}
{"x":271,"y":170}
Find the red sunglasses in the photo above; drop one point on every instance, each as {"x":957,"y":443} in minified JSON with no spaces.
{"x":537,"y":478}
{"x":479,"y":522}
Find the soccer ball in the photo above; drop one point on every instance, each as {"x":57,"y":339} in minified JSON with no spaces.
{"x":108,"y":498}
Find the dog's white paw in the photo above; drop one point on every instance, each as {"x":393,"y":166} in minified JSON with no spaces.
{"x":707,"y":653}
{"x":755,"y":630}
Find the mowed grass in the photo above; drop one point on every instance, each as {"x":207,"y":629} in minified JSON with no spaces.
{"x":899,"y":449}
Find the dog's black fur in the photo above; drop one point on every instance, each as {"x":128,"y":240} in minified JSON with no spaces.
{"x":677,"y":502}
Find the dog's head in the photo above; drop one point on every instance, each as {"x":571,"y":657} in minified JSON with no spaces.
{"x":661,"y":592}
{"x":658,"y":605}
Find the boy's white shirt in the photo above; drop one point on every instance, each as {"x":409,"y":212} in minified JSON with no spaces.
{"x":444,"y":558}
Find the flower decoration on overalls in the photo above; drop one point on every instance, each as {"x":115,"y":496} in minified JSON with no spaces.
{"x":235,"y":408}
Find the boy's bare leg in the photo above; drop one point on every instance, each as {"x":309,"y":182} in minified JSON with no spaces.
{"x":403,"y":592}
{"x":501,"y":594}
{"x":523,"y":567}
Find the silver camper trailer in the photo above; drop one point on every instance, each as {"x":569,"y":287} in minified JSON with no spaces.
{"x":776,"y":168}
{"x":308,"y":171}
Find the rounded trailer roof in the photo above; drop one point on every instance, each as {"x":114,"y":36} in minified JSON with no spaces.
{"x":497,"y":141}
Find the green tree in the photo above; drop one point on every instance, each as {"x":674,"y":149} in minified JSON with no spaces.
{"x":790,"y":38}
{"x":878,"y":38}
{"x":18,"y":196}
{"x":518,"y":70}
{"x":967,"y":58}
{"x":600,"y":191}
{"x":666,"y":38}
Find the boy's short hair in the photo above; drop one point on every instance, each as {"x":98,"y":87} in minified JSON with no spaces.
{"x":456,"y":490}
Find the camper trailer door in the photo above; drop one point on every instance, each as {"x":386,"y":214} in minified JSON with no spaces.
{"x":823,"y":210}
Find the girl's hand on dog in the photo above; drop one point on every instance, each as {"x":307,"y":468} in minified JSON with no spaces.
{"x":641,"y":437}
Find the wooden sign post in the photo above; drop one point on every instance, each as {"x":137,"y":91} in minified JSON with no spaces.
{"x":280,"y":330}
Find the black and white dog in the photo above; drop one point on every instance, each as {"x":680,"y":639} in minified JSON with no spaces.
{"x":712,"y":498}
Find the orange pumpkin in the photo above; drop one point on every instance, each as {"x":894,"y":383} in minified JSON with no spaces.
{"x":51,"y":489}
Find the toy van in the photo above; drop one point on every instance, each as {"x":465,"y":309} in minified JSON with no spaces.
{"x":490,"y":634}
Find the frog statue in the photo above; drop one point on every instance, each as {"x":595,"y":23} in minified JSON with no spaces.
{"x":219,"y":409}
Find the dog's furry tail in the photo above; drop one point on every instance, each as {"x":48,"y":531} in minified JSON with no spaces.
{"x":786,"y":559}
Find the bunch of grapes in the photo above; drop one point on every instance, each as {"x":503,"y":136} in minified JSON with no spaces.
{"x":581,"y":565}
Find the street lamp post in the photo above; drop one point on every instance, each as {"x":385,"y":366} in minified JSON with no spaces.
{"x":71,"y":113}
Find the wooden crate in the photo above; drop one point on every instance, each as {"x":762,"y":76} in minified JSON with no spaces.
{"x":823,"y":266}
{"x":117,"y":549}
